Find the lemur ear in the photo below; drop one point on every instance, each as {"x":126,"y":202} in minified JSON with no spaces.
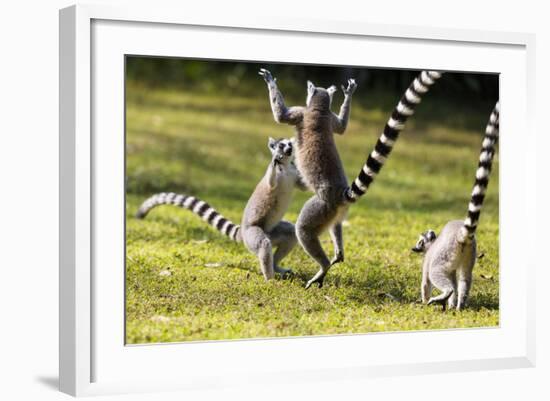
{"x":271,"y":143}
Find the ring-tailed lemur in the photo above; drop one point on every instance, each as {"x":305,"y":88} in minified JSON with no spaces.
{"x":320,"y":165}
{"x":450,"y":257}
{"x":262,"y":227}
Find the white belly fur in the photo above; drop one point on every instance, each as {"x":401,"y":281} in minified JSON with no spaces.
{"x":284,"y":189}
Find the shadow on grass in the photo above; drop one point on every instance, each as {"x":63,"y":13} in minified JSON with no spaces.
{"x":377,"y":288}
{"x":479,"y":301}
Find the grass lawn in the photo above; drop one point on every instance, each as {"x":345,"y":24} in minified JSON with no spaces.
{"x":185,"y":281}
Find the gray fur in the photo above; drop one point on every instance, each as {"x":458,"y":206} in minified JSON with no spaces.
{"x":449,"y":258}
{"x":262,"y":227}
{"x":320,"y":167}
{"x":447,"y":265}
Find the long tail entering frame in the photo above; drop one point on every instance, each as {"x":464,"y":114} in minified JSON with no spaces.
{"x":484,"y":166}
{"x":197,"y":206}
{"x":396,"y":123}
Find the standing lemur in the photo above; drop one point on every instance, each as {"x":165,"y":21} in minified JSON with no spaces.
{"x":450,"y":257}
{"x":262,"y":227}
{"x":320,"y":165}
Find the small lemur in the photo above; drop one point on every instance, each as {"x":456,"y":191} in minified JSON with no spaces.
{"x":262,"y":227}
{"x":320,"y":165}
{"x":450,"y":257}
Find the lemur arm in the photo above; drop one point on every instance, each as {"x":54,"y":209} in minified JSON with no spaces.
{"x":272,"y":173}
{"x":340,"y":122}
{"x":281,"y":113}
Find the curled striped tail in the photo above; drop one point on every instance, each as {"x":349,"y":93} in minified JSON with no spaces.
{"x":396,"y":123}
{"x":197,"y":206}
{"x":486,"y":155}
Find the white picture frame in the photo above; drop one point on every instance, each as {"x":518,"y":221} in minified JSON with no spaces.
{"x":94,"y":360}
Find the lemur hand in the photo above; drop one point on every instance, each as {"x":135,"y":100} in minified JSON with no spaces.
{"x":351,"y":87}
{"x":268,"y":78}
{"x":277,"y":165}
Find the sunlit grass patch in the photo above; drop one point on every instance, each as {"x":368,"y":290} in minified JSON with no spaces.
{"x":185,"y":281}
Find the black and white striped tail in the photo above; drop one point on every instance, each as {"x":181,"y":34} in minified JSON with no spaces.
{"x":197,"y":206}
{"x":482,"y":173}
{"x":396,"y":123}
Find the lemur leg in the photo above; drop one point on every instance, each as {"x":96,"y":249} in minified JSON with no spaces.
{"x":451,"y":302}
{"x":283,"y":236}
{"x":314,"y":218}
{"x":426,"y":289}
{"x":464,"y":285}
{"x":444,"y":283}
{"x":257,"y":241}
{"x":338,"y":241}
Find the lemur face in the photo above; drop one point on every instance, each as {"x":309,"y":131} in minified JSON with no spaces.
{"x":425,"y":240}
{"x":282,"y":149}
{"x":319,"y":98}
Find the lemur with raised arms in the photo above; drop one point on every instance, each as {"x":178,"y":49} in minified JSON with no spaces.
{"x":262,"y":227}
{"x":320,"y":165}
{"x":450,"y":257}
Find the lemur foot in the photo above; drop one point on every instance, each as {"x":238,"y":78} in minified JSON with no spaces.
{"x":440,"y":301}
{"x":338,"y":258}
{"x":318,"y":278}
{"x":268,"y":78}
{"x":351,"y":87}
{"x":285,"y":273}
{"x":434,"y":300}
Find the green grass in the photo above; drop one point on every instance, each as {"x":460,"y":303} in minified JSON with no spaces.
{"x":185,"y":281}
